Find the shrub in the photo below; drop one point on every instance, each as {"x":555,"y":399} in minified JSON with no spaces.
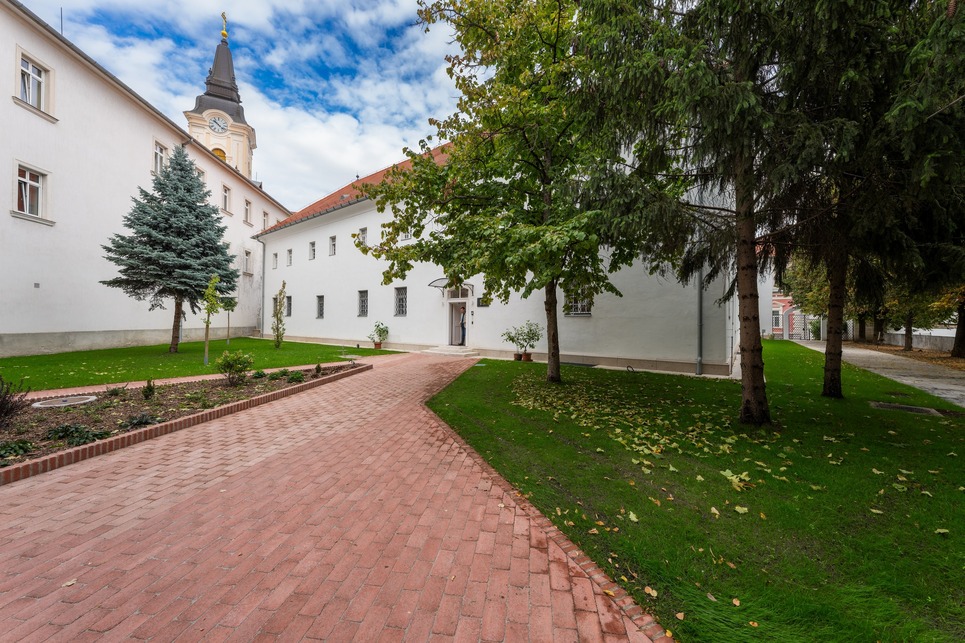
{"x":234,"y":366}
{"x":380,"y":333}
{"x":259,"y":374}
{"x":75,"y":434}
{"x":13,"y":448}
{"x":296,"y":377}
{"x":13,"y":400}
{"x":141,"y":419}
{"x":277,"y":375}
{"x":148,"y":390}
{"x":815,"y":327}
{"x":115,"y":391}
{"x":318,"y":371}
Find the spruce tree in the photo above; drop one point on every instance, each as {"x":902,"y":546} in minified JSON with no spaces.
{"x":175,"y":245}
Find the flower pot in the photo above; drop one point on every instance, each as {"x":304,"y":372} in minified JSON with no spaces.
{"x":527,"y":357}
{"x":517,"y":356}
{"x":378,"y":345}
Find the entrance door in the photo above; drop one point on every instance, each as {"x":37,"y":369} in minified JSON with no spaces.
{"x":455,"y":332}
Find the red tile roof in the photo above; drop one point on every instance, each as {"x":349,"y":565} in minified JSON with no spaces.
{"x":348,"y":194}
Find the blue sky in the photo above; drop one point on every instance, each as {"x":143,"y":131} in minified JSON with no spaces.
{"x":333,"y":88}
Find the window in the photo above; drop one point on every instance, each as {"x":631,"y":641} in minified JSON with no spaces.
{"x":311,"y":250}
{"x":401,"y":301}
{"x":406,"y":235}
{"x":30,"y":190}
{"x":288,"y":257}
{"x":160,"y":157}
{"x":776,"y":318}
{"x":246,"y":266}
{"x":264,"y":220}
{"x":247,"y":211}
{"x":320,"y":306}
{"x":220,"y":154}
{"x":577,"y":304}
{"x":363,"y":236}
{"x":274,"y":260}
{"x":363,"y":303}
{"x":288,"y":306}
{"x":33,"y":84}
{"x":226,"y":198}
{"x":331,"y":246}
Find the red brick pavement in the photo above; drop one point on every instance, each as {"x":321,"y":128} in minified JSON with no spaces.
{"x":349,"y":512}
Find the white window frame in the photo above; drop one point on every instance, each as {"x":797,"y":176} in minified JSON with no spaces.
{"x":577,"y":305}
{"x":23,"y":192}
{"x":319,"y":306}
{"x":264,"y":220}
{"x":225,"y":199}
{"x":246,"y":265}
{"x":776,"y":321}
{"x":288,"y":257}
{"x":363,"y":303}
{"x":247,"y":211}
{"x":160,"y":157}
{"x":331,"y":246}
{"x":274,"y":260}
{"x":311,"y":250}
{"x":401,"y":301}
{"x":37,"y":93}
{"x":363,"y":236}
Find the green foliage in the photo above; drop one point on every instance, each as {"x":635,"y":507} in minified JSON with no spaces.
{"x":115,"y":391}
{"x":13,"y":400}
{"x":830,"y":529}
{"x":75,"y":435}
{"x":318,"y":371}
{"x":259,"y":374}
{"x":525,"y":336}
{"x":149,"y":389}
{"x":278,"y":316}
{"x":175,"y":243}
{"x":14,"y":448}
{"x":296,"y":377}
{"x":380,"y":333}
{"x":141,"y":419}
{"x":278,"y":375}
{"x":815,"y":326}
{"x":212,"y":305}
{"x":234,"y":366}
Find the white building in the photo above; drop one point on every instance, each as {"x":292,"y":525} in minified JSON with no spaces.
{"x":76,"y":144}
{"x":335,"y":294}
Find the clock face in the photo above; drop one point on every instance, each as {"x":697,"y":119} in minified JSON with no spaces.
{"x":218,"y":124}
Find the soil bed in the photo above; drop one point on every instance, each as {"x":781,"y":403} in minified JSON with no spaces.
{"x":115,"y":408}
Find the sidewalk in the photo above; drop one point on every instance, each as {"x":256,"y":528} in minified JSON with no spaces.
{"x":946,"y":383}
{"x":349,"y":512}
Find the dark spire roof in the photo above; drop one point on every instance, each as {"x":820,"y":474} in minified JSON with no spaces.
{"x":221,"y":90}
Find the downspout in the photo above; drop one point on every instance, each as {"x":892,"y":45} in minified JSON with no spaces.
{"x":700,"y":322}
{"x":261,"y":304}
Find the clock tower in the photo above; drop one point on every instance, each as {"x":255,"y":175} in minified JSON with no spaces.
{"x":218,"y":119}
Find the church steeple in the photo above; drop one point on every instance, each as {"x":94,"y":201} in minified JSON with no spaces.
{"x":218,"y":119}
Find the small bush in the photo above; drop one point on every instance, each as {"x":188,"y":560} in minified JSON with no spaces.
{"x":259,"y":374}
{"x":141,"y":419}
{"x":296,"y":377}
{"x":13,"y":400}
{"x":318,"y":371}
{"x":277,"y":375}
{"x":115,"y":391}
{"x":148,"y":390}
{"x":13,"y":448}
{"x":199,"y":398}
{"x":75,"y":434}
{"x":234,"y":366}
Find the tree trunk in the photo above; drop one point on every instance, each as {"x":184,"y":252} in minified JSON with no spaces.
{"x":879,"y":324}
{"x":754,"y":408}
{"x":176,"y":328}
{"x":837,"y":278}
{"x":862,"y":327}
{"x":909,"y":325}
{"x":207,"y":331}
{"x":958,"y":349}
{"x":552,"y":335}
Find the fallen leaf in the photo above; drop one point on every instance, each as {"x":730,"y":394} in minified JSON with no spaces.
{"x":668,"y":633}
{"x":876,"y":511}
{"x":941,"y":532}
{"x":907,"y":473}
{"x":680,"y":616}
{"x":671,"y":468}
{"x":753,"y":623}
{"x":608,"y":592}
{"x":714,"y":511}
{"x":763,"y":517}
{"x":736,"y":602}
{"x":711,"y":597}
{"x":740,"y":510}
{"x":731,"y":565}
{"x":927,"y":493}
{"x":71,"y":582}
{"x":700,"y":478}
{"x":876,"y":472}
{"x":594,"y":531}
{"x":633,"y":517}
{"x":650,"y":591}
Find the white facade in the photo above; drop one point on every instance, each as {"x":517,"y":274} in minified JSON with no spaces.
{"x":654,"y":325}
{"x":91,"y":143}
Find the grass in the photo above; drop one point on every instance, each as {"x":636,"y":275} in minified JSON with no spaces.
{"x":844,"y":522}
{"x":140,"y":363}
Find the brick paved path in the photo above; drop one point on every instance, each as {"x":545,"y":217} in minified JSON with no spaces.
{"x":344,"y":513}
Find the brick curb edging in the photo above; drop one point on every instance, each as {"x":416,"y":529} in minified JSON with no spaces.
{"x":645,"y":622}
{"x":60,"y":459}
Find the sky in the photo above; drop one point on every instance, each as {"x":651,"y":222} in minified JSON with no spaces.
{"x":333,"y":88}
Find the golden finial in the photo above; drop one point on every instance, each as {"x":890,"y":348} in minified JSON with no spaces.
{"x":224,"y":26}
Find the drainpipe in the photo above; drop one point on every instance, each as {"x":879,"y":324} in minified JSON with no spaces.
{"x":700,"y":322}
{"x":261,"y":304}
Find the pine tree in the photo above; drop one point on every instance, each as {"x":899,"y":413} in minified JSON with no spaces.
{"x":176,"y":244}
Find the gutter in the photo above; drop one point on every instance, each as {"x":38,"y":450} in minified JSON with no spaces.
{"x":700,"y":323}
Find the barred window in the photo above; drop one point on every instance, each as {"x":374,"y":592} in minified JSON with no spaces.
{"x":288,"y":257}
{"x":363,"y":236}
{"x":363,"y":303}
{"x":288,"y":306}
{"x":320,"y":306}
{"x":311,"y":250}
{"x":331,"y":246}
{"x":401,"y":301}
{"x":577,"y":304}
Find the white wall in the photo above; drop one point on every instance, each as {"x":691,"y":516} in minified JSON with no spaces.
{"x":96,"y":150}
{"x":654,"y":324}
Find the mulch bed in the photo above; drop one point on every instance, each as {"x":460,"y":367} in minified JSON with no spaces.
{"x":119,"y":410}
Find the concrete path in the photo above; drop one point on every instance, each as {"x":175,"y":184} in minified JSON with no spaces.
{"x":946,"y":383}
{"x":350,"y":512}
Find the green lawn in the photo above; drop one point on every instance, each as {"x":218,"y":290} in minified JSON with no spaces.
{"x":82,"y":368}
{"x":843,"y":523}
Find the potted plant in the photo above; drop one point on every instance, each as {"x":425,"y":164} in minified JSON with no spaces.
{"x":528,"y":334}
{"x":512,"y":336}
{"x":379,"y":335}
